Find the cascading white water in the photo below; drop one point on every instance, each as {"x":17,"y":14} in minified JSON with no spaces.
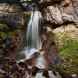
{"x":33,"y":39}
{"x":32,"y":35}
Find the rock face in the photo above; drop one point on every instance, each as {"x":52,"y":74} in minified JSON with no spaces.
{"x":60,"y":11}
{"x":56,"y":13}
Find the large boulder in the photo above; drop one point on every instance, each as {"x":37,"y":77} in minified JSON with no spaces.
{"x":63,"y":12}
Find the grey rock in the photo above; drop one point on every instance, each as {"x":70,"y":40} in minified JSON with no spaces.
{"x":59,"y":14}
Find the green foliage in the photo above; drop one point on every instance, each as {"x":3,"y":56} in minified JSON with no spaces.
{"x":69,"y":54}
{"x":70,"y":48}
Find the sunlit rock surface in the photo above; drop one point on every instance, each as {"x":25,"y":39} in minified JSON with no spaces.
{"x":61,"y":13}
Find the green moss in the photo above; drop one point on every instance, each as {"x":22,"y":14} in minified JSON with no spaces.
{"x":69,"y":53}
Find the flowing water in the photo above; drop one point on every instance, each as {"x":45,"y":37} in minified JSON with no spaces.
{"x":33,"y":39}
{"x":32,"y":35}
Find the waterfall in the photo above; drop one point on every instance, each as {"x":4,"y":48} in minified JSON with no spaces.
{"x":33,"y":39}
{"x":32,"y":34}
